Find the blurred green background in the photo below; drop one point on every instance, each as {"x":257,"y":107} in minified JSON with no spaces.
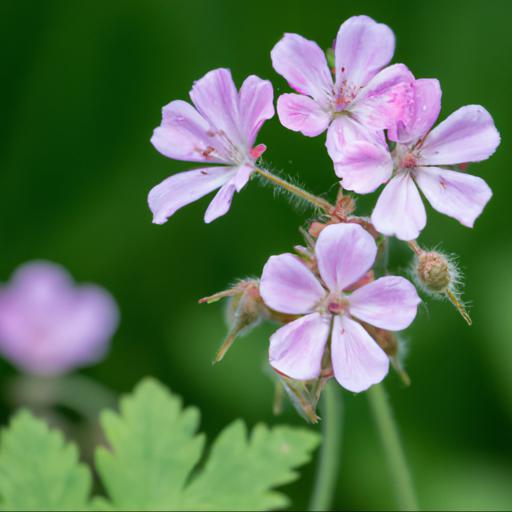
{"x":82,"y":85}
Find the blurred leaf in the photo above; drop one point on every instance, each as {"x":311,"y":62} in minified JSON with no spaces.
{"x":472,"y":484}
{"x":496,"y":329}
{"x":39,"y":470}
{"x":155,"y":447}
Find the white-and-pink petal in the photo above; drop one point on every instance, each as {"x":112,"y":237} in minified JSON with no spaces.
{"x":216,"y":98}
{"x":300,"y":113}
{"x":304,"y":66}
{"x":344,"y":253}
{"x":358,"y":362}
{"x":467,"y":135}
{"x":399,"y":210}
{"x":363,"y":47}
{"x":390,"y":303}
{"x":184,"y":135}
{"x":296,"y":350}
{"x":221,"y":203}
{"x":288,"y":286}
{"x":424,"y":110}
{"x":360,"y":159}
{"x":184,"y":188}
{"x":456,"y":194}
{"x":256,"y":106}
{"x":386,"y":99}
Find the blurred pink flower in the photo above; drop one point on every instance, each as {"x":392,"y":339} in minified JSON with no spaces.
{"x":48,"y":325}
{"x":365,"y":98}
{"x":221,"y":129}
{"x":344,"y":252}
{"x":421,"y":158}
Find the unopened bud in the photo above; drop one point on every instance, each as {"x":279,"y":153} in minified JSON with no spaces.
{"x":439,"y":275}
{"x":434,"y":271}
{"x":244,"y":311}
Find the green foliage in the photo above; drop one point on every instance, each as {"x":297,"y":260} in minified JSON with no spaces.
{"x":240,"y":472}
{"x":152,"y":462}
{"x":39,"y":470}
{"x":154,"y":449}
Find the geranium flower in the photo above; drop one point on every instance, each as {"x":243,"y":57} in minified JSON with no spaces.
{"x":365,"y":98}
{"x":48,"y":325}
{"x":221,"y":129}
{"x":344,"y":253}
{"x":422,"y":159}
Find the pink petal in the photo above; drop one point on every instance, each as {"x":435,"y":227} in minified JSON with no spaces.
{"x":216,"y":98}
{"x":296,"y":350}
{"x":389,"y":303}
{"x":288,"y":286}
{"x":386,"y":100}
{"x":453,"y":193}
{"x":399,"y":210}
{"x":242,"y":176}
{"x":467,"y":135}
{"x":256,"y":106}
{"x":302,"y":114}
{"x":220,"y":203}
{"x":344,"y":253}
{"x":362,"y":163}
{"x":358,"y":362}
{"x":423,"y":112}
{"x":363,"y":47}
{"x":303,"y":64}
{"x":185,"y":188}
{"x":183,"y":135}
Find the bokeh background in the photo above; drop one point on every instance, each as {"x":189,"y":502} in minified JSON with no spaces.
{"x":81,"y":88}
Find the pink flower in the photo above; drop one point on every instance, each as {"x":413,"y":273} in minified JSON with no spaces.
{"x":220,"y":129}
{"x":48,"y":325}
{"x":365,"y":98}
{"x":423,"y":159}
{"x":344,"y":252}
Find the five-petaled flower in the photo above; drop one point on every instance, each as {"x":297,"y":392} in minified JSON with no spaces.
{"x":48,"y":325}
{"x":221,"y":130}
{"x":421,"y":160}
{"x":364,"y":99}
{"x":344,"y":254}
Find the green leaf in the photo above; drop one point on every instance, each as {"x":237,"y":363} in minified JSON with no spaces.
{"x":240,"y":473}
{"x":39,"y":470}
{"x":154,"y":449}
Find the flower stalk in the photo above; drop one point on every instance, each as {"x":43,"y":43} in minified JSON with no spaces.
{"x":317,"y":202}
{"x":328,"y":463}
{"x":390,"y":437}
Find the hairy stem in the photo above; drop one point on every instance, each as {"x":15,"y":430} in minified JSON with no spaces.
{"x":317,"y":202}
{"x":395,"y":455}
{"x":328,"y":463}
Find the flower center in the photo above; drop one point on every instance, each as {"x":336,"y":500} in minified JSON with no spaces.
{"x":408,"y":161}
{"x":337,"y":305}
{"x":345,"y":96}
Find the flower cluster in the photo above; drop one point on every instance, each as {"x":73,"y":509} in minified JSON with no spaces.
{"x":338,"y":313}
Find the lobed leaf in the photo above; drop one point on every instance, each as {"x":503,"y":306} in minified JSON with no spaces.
{"x":39,"y":470}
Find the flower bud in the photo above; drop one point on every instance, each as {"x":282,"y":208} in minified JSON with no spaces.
{"x":244,"y":311}
{"x":433,"y":270}
{"x":439,"y":275}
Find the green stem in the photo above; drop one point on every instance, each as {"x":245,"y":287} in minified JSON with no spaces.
{"x":395,"y":455}
{"x":316,"y":201}
{"x":328,"y":463}
{"x":78,"y":392}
